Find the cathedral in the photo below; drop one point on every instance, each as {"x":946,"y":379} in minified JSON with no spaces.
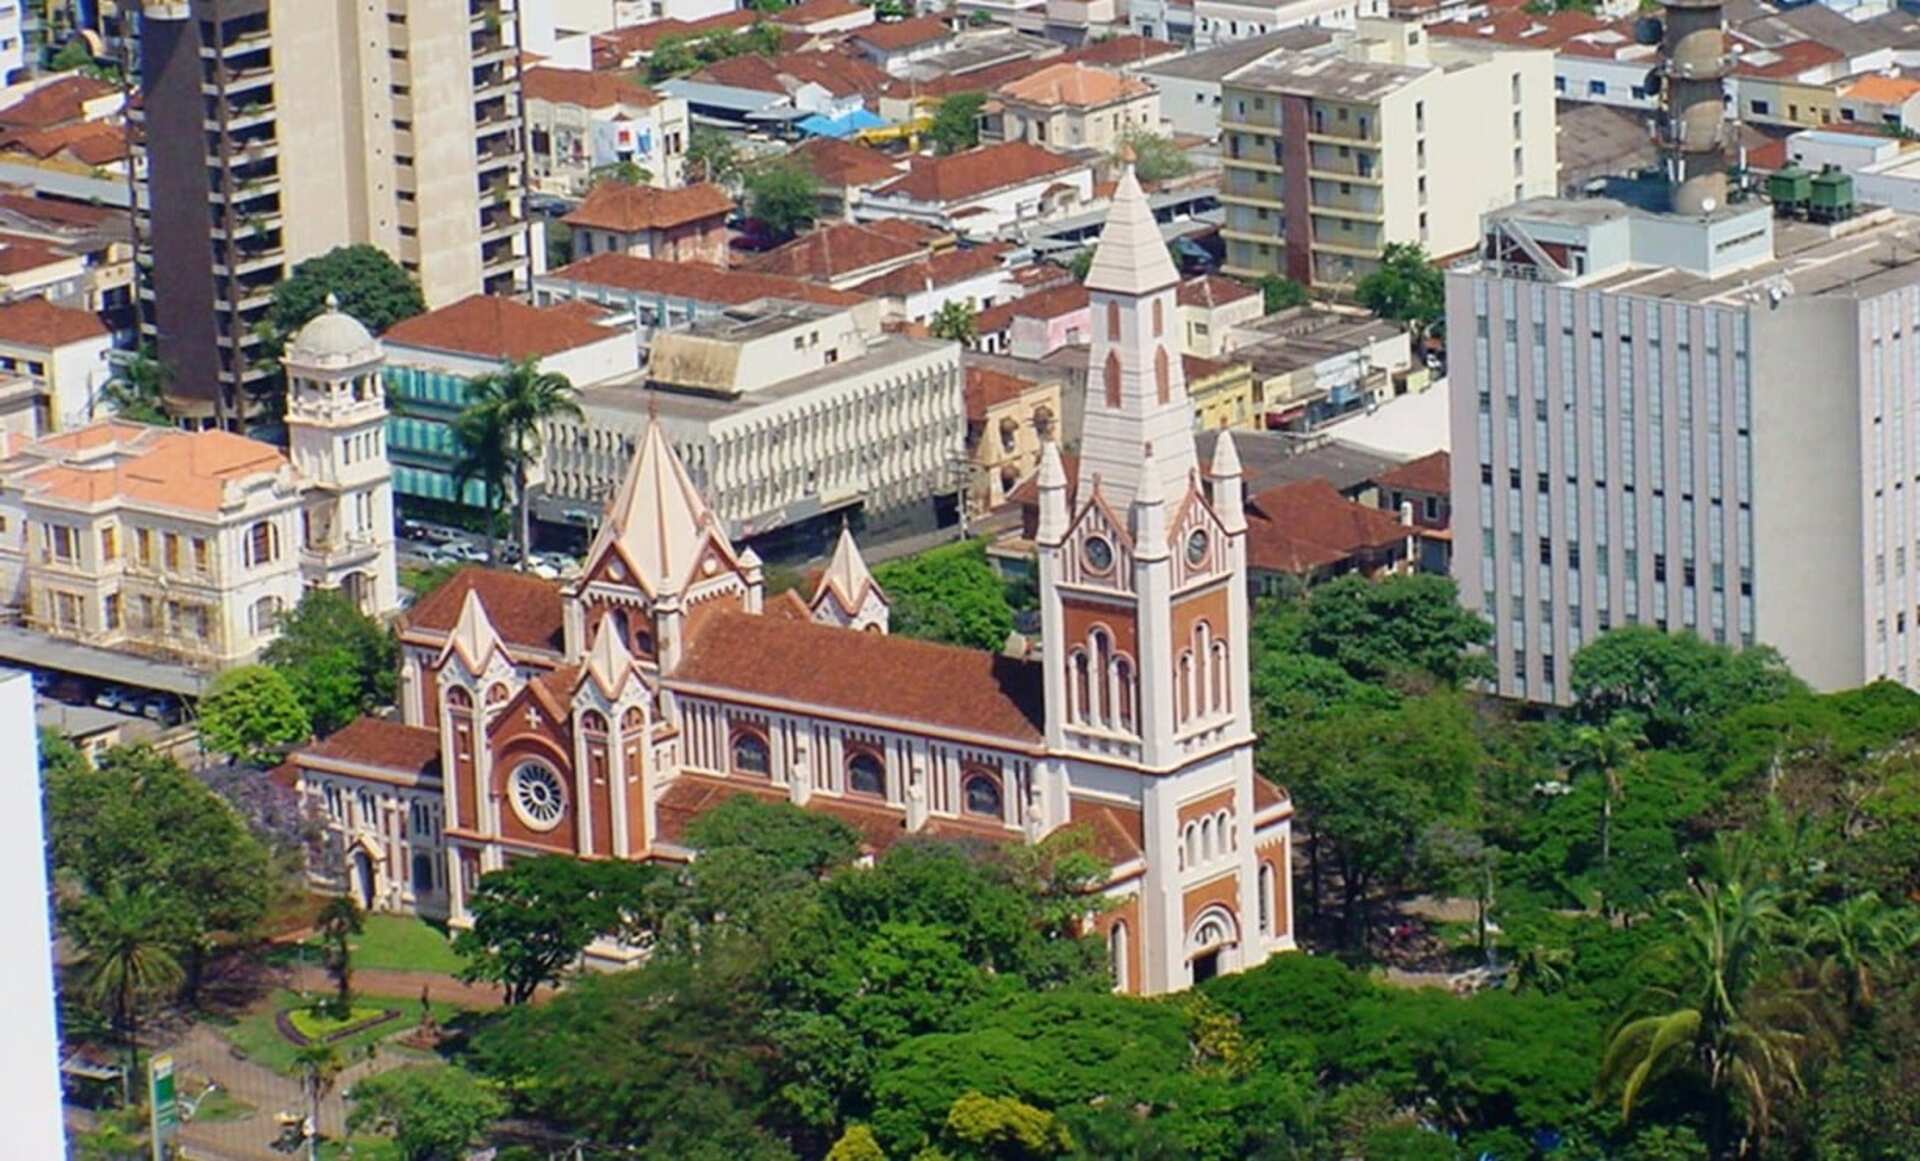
{"x":599,"y":716}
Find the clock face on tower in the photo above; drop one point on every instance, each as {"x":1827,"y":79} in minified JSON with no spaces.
{"x":1098,"y":554}
{"x":1197,"y":547}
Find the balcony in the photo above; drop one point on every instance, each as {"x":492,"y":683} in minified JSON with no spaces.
{"x":1354,"y":213}
{"x":340,"y":551}
{"x":498,"y":155}
{"x":234,"y":81}
{"x":1240,"y":186}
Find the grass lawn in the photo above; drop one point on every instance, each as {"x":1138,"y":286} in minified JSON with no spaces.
{"x":221,"y":1106}
{"x":315,"y":1026}
{"x":364,"y":1149}
{"x":256,"y":1036}
{"x":389,"y":943}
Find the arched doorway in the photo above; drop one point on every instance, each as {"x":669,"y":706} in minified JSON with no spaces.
{"x":360,"y":866}
{"x":1213,"y":945}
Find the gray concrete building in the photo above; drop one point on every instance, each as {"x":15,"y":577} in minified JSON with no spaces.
{"x":1705,"y":423}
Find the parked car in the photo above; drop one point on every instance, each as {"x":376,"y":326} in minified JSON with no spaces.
{"x":108,"y":697}
{"x":468,"y":551}
{"x":160,"y":707}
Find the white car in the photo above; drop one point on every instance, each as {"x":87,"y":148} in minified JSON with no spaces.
{"x":469,"y":551}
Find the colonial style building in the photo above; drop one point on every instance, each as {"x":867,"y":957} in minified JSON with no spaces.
{"x":599,"y":717}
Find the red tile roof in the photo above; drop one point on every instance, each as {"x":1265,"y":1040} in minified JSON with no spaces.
{"x":1122,"y":50}
{"x":1075,"y":85}
{"x":1308,"y":524}
{"x":698,"y":282}
{"x":614,"y":205}
{"x":937,"y":270}
{"x":841,"y":164}
{"x":612,"y":49}
{"x":35,"y":322}
{"x":589,"y":90}
{"x":496,"y":328}
{"x":88,"y":142}
{"x":366,"y":741}
{"x":987,"y":388}
{"x":1432,"y":472}
{"x":1119,"y":836}
{"x":1211,"y":290}
{"x":811,"y":11}
{"x":526,"y":611}
{"x":1786,"y":60}
{"x":838,"y":73}
{"x":19,"y":253}
{"x":1049,"y":303}
{"x":866,"y":674}
{"x":69,"y":217}
{"x":1196,"y":368}
{"x":55,"y":103}
{"x":902,"y":35}
{"x":844,"y":247}
{"x":977,"y":171}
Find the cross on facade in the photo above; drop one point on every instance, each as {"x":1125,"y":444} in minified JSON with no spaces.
{"x":533,"y":718}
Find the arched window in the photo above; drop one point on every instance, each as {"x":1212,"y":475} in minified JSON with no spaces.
{"x":1162,"y":376}
{"x":1123,"y":677}
{"x":750,"y":753}
{"x":1193,"y":845}
{"x":643,"y":643}
{"x":1102,"y":669}
{"x":1183,"y":688}
{"x":1266,"y":899}
{"x":1206,"y":840}
{"x":1113,"y":322}
{"x":865,"y":774}
{"x":1223,"y":826}
{"x":634,"y":719}
{"x":1159,"y":317}
{"x":593,"y":722}
{"x":537,"y":794}
{"x":1117,"y":955}
{"x":1112,"y":378}
{"x":496,"y":693}
{"x":1210,"y":933}
{"x":1202,"y":696}
{"x":617,"y":621}
{"x":459,"y":698}
{"x":1009,"y":432}
{"x":265,"y":615}
{"x":1082,"y":687}
{"x":983,"y":796}
{"x":1222,"y":690}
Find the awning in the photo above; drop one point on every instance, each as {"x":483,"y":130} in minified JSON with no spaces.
{"x":858,"y":121}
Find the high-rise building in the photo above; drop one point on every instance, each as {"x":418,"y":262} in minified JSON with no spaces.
{"x":276,"y":130}
{"x":1331,"y":152}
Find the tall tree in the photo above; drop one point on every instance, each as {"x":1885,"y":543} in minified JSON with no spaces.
{"x":320,"y":1067}
{"x":137,"y":390}
{"x":338,"y":922}
{"x":1406,"y":623}
{"x":369,"y":285}
{"x":1607,"y":752}
{"x":486,"y":458}
{"x":783,"y":196}
{"x":1407,"y":288}
{"x":956,"y":123}
{"x":1729,"y":1021}
{"x":1673,"y":684}
{"x":533,"y":919}
{"x":252,"y":715}
{"x":516,"y":404}
{"x":340,"y":662}
{"x":431,"y":1112}
{"x":1860,"y":941}
{"x":126,"y":938}
{"x":948,"y":594}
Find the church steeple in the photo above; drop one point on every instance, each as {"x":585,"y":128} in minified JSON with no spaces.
{"x":1136,"y":391}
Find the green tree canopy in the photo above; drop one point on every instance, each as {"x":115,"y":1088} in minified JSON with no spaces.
{"x":1407,"y":288}
{"x":711,"y":156}
{"x":1155,"y":156}
{"x":370,"y":286}
{"x":1279,"y":292}
{"x":509,"y":410}
{"x":783,"y":196}
{"x":948,"y":594}
{"x":340,"y":662}
{"x":1405,"y":623}
{"x":956,"y":123}
{"x":431,"y":1112}
{"x":137,"y":391}
{"x":956,"y":320}
{"x":1672,"y":684}
{"x":252,"y":715}
{"x":534,"y":918}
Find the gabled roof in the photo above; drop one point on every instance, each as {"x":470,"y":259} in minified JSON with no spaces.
{"x":658,"y":521}
{"x":902,"y":35}
{"x":1212,"y":290}
{"x":1432,"y":472}
{"x":156,"y":466}
{"x":473,"y":638}
{"x":868,"y":675}
{"x":611,"y":49}
{"x":1307,"y":524}
{"x":609,"y":665}
{"x":382,"y":744}
{"x":495,"y":327}
{"x":1073,"y":85}
{"x":1119,"y":835}
{"x":1117,"y":51}
{"x":846,"y":581}
{"x":88,"y":142}
{"x":841,"y":164}
{"x":695,"y":281}
{"x":1786,"y":60}
{"x":977,"y":171}
{"x":1880,"y":89}
{"x":936,"y":270}
{"x":617,"y":206}
{"x":831,"y":250}
{"x":1052,"y":302}
{"x":987,"y":388}
{"x":1131,"y":257}
{"x":812,"y":11}
{"x":526,"y":611}
{"x":35,"y":322}
{"x":838,"y":73}
{"x":55,"y":103}
{"x":589,"y":90}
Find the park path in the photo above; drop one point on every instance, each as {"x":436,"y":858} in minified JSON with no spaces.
{"x":405,"y":985}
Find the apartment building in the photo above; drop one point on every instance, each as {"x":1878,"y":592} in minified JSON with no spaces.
{"x":1619,"y":375}
{"x":276,"y":130}
{"x":191,"y":544}
{"x":1377,"y":136}
{"x":784,"y":413}
{"x":579,"y":121}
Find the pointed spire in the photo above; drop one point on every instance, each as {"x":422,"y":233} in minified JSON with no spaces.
{"x":333,"y":303}
{"x":1226,"y":457}
{"x":1052,"y":482}
{"x":473,"y":636}
{"x":1132,"y":257}
{"x":658,"y":518}
{"x":1149,"y":510}
{"x":846,"y":579}
{"x":608,"y":662}
{"x":1229,"y":486}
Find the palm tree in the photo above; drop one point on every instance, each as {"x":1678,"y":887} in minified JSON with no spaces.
{"x":1608,"y":751}
{"x":1731,"y":1023}
{"x":137,"y":391}
{"x":125,"y":939}
{"x":485,"y":456}
{"x":503,"y":435}
{"x":1857,"y":940}
{"x":320,"y":1066}
{"x":339,"y":920}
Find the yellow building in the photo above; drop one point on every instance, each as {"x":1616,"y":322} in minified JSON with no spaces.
{"x":1795,"y":85}
{"x":1223,"y":393}
{"x":1009,"y":420}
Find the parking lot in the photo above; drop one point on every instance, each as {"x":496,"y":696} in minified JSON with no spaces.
{"x":424,"y":543}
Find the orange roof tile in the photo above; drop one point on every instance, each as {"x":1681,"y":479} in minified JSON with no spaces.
{"x":1119,"y":836}
{"x":987,"y":388}
{"x":905,"y":34}
{"x":1211,"y":290}
{"x":936,"y":270}
{"x":1308,"y":524}
{"x":162,"y":467}
{"x":977,"y":171}
{"x":525,"y":610}
{"x":1786,"y":60}
{"x":625,"y":208}
{"x":698,"y":282}
{"x":35,"y":322}
{"x":88,"y":142}
{"x":495,"y":327}
{"x":366,"y":741}
{"x":589,"y":90}
{"x":55,"y":103}
{"x":868,"y":674}
{"x":1432,"y":472}
{"x":1052,"y":302}
{"x":809,"y":11}
{"x":611,"y":49}
{"x":1881,"y":90}
{"x":19,"y":253}
{"x":841,"y":164}
{"x":1075,"y":85}
{"x":830,"y":251}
